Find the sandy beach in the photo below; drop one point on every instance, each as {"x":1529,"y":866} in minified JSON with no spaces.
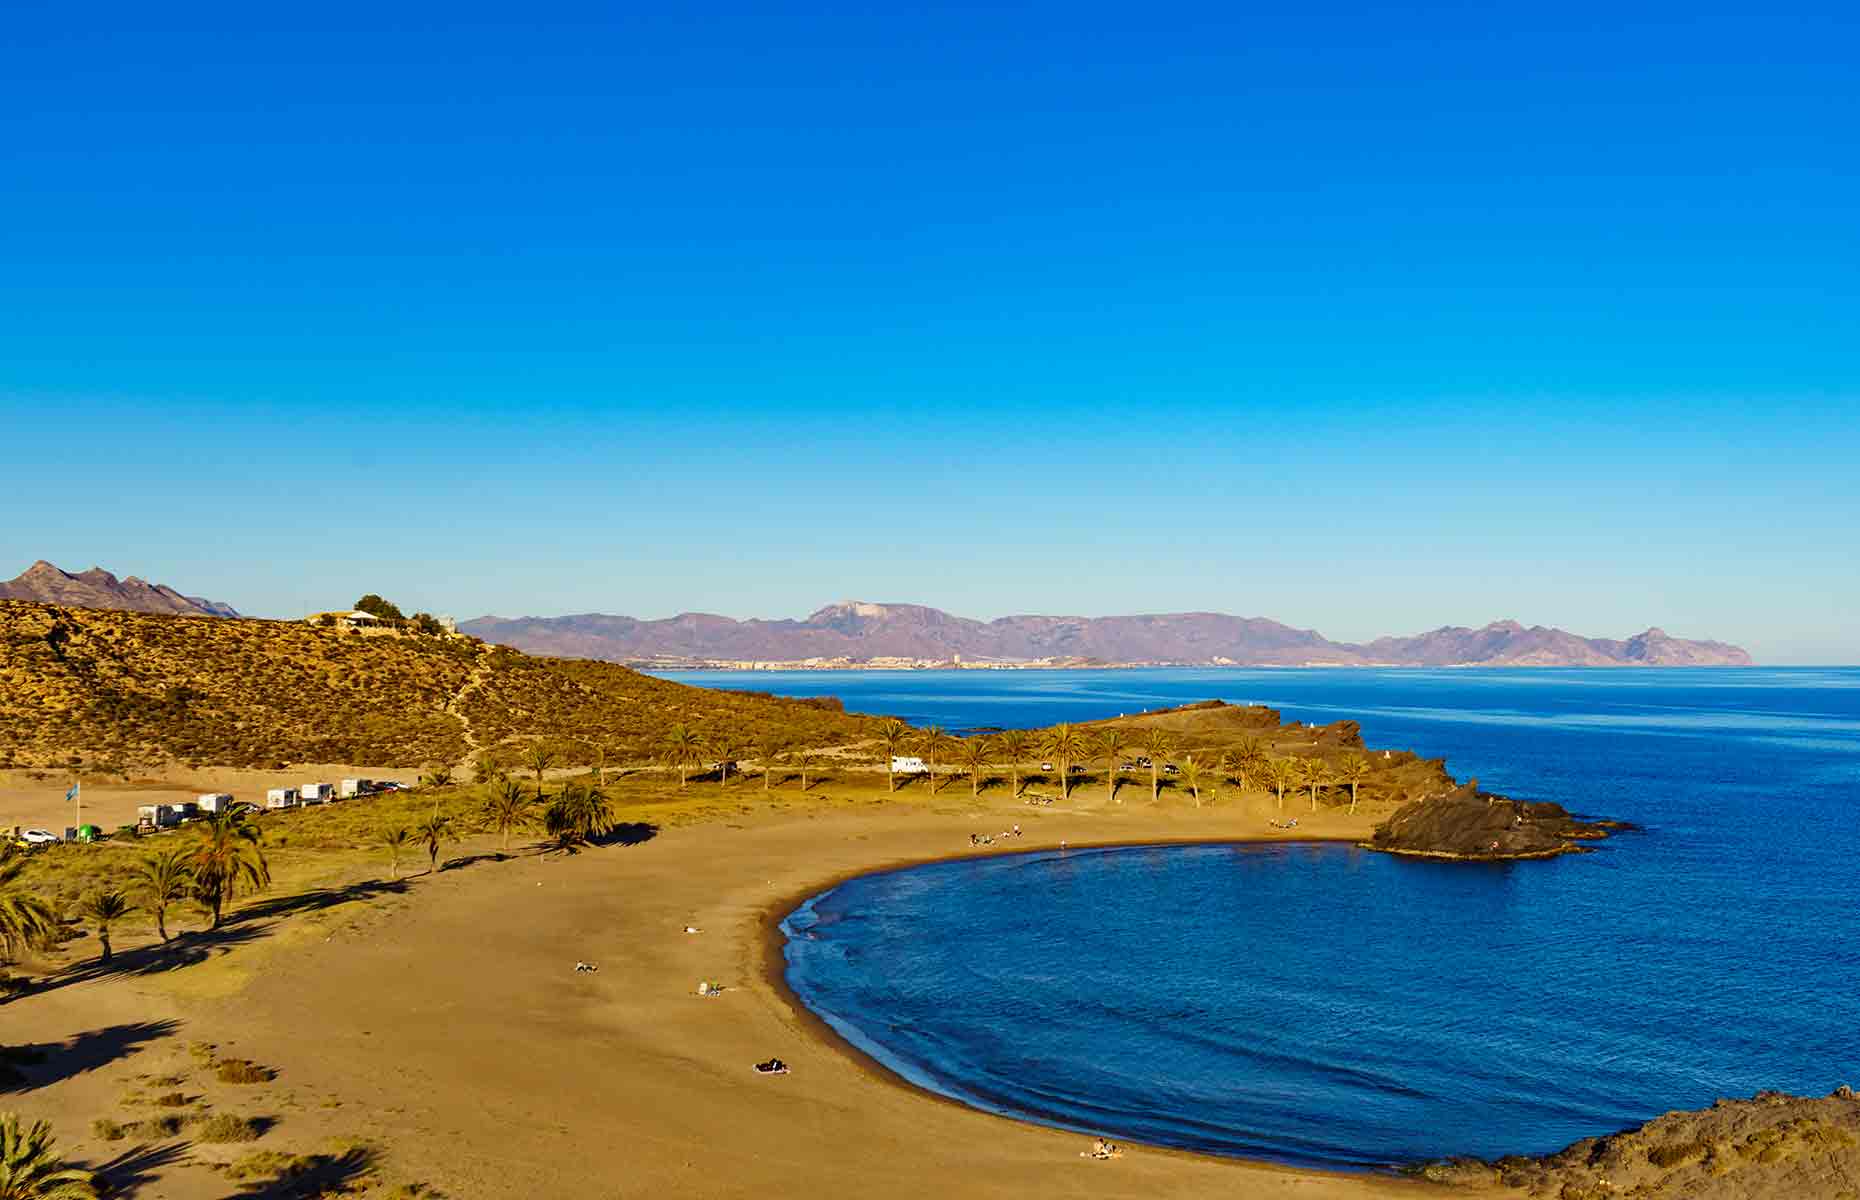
{"x":440,"y":1035}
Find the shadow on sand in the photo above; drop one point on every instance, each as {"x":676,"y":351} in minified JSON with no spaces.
{"x":316,"y":1175}
{"x":132,"y":1170}
{"x":52,"y":1062}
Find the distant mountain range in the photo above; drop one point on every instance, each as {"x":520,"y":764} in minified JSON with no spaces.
{"x":857,"y":633}
{"x":97,"y":588}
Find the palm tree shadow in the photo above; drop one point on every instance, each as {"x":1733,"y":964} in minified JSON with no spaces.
{"x":134,"y":1169}
{"x":316,"y":1175}
{"x":314,"y":900}
{"x":629,"y":833}
{"x":53,"y":1062}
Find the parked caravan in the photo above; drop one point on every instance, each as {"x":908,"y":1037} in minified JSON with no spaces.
{"x":281,"y":798}
{"x":215,"y":802}
{"x":903,"y":764}
{"x":352,"y":788}
{"x":157,"y":816}
{"x":186,"y":810}
{"x":316,"y":793}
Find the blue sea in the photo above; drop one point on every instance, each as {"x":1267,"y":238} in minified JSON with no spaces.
{"x":1326,"y":1006}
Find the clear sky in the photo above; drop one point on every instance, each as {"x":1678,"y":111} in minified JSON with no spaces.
{"x":1364,"y":317}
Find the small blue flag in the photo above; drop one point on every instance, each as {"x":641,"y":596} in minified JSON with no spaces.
{"x":73,"y":793}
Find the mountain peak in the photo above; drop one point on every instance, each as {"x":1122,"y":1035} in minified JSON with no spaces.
{"x":45,"y":583}
{"x":860,"y":631}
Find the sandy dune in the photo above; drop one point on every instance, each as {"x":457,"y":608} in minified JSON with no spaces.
{"x":447,"y":1025}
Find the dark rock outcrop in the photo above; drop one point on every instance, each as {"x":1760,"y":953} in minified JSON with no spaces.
{"x":1468,"y":823}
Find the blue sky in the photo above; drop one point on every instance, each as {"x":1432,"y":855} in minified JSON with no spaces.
{"x":1362,"y":319}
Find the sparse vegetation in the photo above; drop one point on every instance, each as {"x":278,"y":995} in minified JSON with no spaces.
{"x":240,"y":1070}
{"x":221,"y":1128}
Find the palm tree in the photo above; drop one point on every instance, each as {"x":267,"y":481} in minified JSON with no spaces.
{"x":537,"y":761}
{"x":226,"y":858}
{"x":507,"y":811}
{"x":973,"y":754}
{"x":727,"y":750}
{"x":1355,"y":769}
{"x":893,"y":733}
{"x":1014,"y":745}
{"x":1192,"y":773}
{"x":1249,"y":759}
{"x":932,"y":740}
{"x":102,"y":908}
{"x":436,"y":777}
{"x":30,"y":1168}
{"x":485,"y":767}
{"x":435,"y":831}
{"x":769,"y":748}
{"x":578,"y":816}
{"x":1111,"y":745}
{"x":1156,"y":747}
{"x":162,"y":878}
{"x":1064,"y":743}
{"x":804,"y":757}
{"x":1314,"y":773}
{"x":25,"y":919}
{"x":681,"y":746}
{"x":394,"y":839}
{"x":1282,"y":773}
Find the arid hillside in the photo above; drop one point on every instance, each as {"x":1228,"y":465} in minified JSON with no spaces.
{"x":119,"y":689}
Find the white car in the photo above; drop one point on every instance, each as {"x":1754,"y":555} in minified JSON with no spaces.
{"x":38,"y":837}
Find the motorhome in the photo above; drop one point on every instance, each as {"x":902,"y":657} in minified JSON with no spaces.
{"x":157,"y":816}
{"x":214,"y":802}
{"x":186,"y":810}
{"x":908,"y":764}
{"x":316,"y":793}
{"x":281,"y":798}
{"x":352,"y":788}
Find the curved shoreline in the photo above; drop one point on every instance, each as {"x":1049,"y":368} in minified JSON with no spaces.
{"x":774,"y":973}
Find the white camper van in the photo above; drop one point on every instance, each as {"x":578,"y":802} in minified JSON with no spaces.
{"x":281,"y":798}
{"x":908,"y":764}
{"x":158,"y":816}
{"x":351,"y":788}
{"x":214,"y":802}
{"x":316,"y":793}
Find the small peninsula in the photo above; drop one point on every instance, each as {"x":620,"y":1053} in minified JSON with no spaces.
{"x":1466,"y":823}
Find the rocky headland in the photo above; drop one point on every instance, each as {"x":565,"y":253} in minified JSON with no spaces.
{"x":1770,"y":1147}
{"x":1466,"y":823}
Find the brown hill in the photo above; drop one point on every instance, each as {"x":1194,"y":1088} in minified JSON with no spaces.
{"x":121,"y":688}
{"x":1770,"y":1147}
{"x":97,"y":588}
{"x":860,"y":632}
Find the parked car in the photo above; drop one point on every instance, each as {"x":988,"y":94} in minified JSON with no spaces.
{"x":1046,"y":766}
{"x":1171,"y":769}
{"x":1143,"y":761}
{"x":37,"y":837}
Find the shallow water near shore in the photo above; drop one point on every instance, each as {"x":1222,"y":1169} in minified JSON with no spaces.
{"x":1326,"y":1006}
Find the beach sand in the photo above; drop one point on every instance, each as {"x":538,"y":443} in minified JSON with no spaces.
{"x":447,"y":1026}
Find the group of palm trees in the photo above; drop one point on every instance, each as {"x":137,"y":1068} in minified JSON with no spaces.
{"x":220,"y":858}
{"x":1065,"y":746}
{"x":574,"y":817}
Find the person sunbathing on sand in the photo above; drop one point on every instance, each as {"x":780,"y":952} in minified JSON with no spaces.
{"x":1102,"y":1149}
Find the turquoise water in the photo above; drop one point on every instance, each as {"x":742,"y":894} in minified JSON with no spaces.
{"x":1321,"y":1005}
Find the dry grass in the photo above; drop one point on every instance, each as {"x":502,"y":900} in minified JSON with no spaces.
{"x":222,"y":1128}
{"x":240,"y":1070}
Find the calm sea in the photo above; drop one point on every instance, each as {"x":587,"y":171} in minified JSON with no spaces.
{"x":1321,"y":1005}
